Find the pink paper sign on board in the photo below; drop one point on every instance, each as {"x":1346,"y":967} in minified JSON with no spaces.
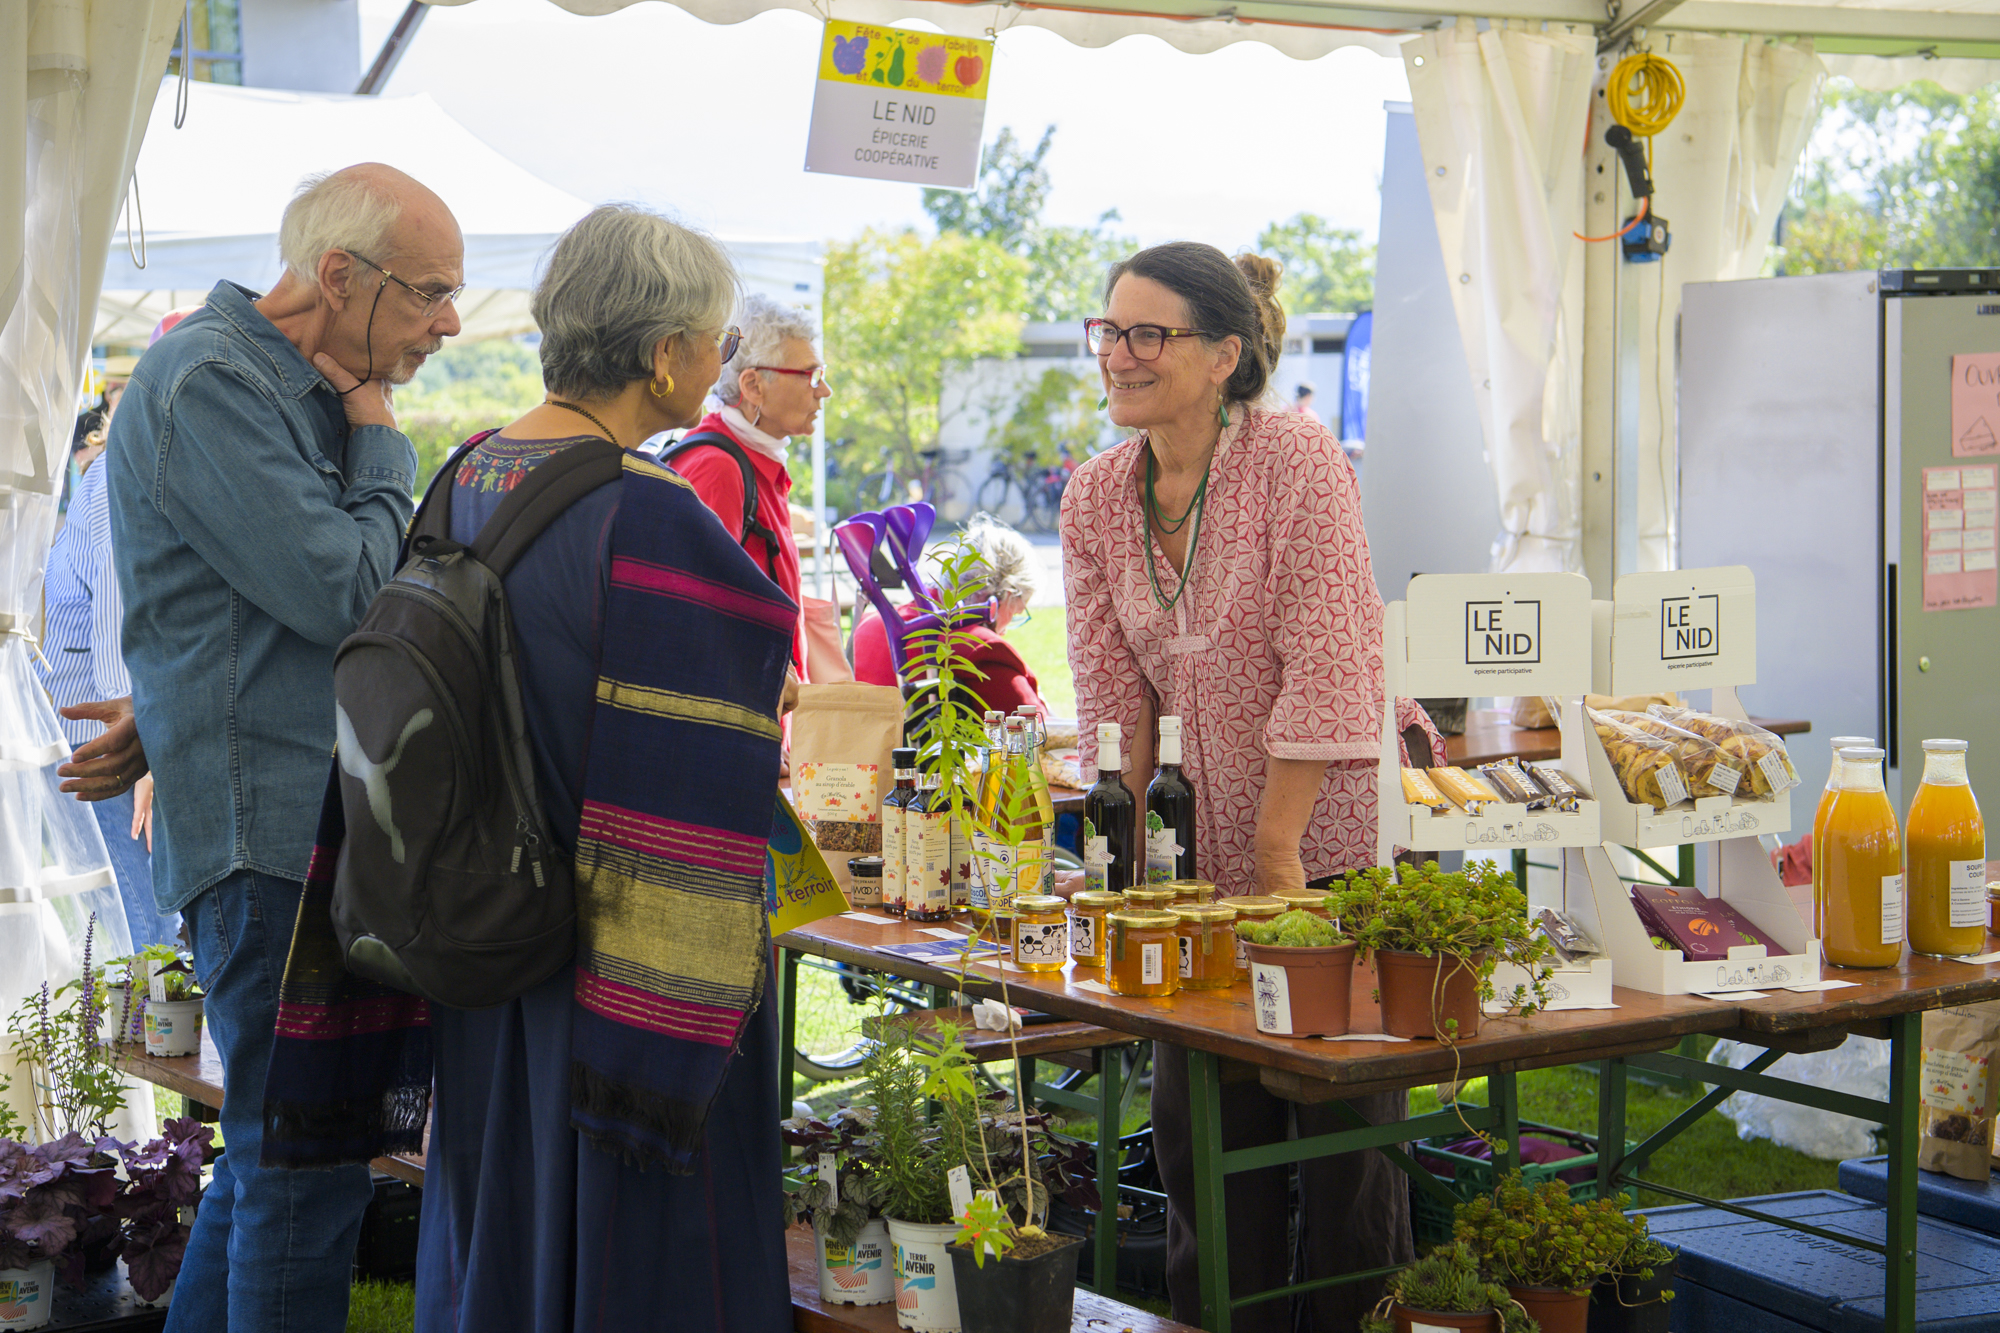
{"x":1961,"y":537}
{"x":1975,"y":404}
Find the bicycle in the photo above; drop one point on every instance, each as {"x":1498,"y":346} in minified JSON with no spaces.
{"x":832,"y":1000}
{"x":936,"y":482}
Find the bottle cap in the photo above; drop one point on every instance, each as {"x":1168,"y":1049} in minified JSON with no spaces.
{"x":1109,"y":733}
{"x":1863,"y":754}
{"x":902,"y":757}
{"x":1171,"y":723}
{"x":1945,"y":747}
{"x":1844,"y":742}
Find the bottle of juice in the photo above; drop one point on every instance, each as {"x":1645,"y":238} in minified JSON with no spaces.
{"x":1035,"y":815}
{"x":1819,"y":826}
{"x":1946,"y":853}
{"x":1864,"y":868}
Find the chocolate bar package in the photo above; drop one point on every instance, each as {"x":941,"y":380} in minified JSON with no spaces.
{"x":1704,"y":929}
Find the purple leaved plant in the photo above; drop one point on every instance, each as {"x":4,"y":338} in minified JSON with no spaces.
{"x":163,"y":1185}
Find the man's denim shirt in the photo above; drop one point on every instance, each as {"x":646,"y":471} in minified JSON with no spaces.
{"x":250,"y":529}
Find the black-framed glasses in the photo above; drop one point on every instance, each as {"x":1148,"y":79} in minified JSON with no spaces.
{"x":728,"y":341}
{"x":432,"y":301}
{"x":817,"y":373}
{"x":1145,"y":340}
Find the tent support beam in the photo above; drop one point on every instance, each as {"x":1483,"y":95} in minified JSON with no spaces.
{"x":393,"y":50}
{"x":1625,"y":21}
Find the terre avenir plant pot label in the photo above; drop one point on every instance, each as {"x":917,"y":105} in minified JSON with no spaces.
{"x":857,"y":1274}
{"x":1421,"y":996}
{"x":1302,"y":992}
{"x":25,"y":1295}
{"x":926,"y":1292}
{"x":1407,"y":1320}
{"x":1009,"y":1295}
{"x":1556,"y":1310}
{"x":173,"y":1027}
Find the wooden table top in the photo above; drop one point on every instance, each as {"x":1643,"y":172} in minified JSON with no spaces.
{"x":1489,"y":736}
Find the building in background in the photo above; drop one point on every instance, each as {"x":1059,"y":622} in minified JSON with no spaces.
{"x":306,"y":45}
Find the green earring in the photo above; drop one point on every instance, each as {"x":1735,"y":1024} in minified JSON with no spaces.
{"x":1104,"y":402}
{"x":1222,"y":413}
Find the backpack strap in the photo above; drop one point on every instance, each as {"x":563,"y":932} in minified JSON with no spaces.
{"x":715,"y":439}
{"x":538,"y":499}
{"x":432,"y":521}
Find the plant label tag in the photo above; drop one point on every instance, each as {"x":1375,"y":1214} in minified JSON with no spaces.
{"x":1272,"y":990}
{"x":960,"y":1181}
{"x":829,"y":1171}
{"x":156,"y":985}
{"x":1416,"y":1327}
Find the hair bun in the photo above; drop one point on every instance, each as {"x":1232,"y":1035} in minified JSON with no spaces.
{"x":1261,"y":272}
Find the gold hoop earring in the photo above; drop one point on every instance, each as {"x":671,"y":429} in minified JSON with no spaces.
{"x":660,"y":393}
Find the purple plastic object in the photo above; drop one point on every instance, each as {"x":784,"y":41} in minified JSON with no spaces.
{"x":857,"y":538}
{"x":907,"y":527}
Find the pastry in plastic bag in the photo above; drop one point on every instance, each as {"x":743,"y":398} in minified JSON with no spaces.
{"x":1767,"y":767}
{"x":1709,"y":771}
{"x":1644,"y":764}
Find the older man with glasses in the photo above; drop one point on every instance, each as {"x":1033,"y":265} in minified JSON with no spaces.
{"x":259,"y":492}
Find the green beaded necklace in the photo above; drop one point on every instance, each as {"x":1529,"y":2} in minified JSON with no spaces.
{"x":1169,"y":527}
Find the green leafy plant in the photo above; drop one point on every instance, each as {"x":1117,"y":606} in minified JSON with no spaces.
{"x":1448,"y":1281}
{"x":1475,"y":917}
{"x":1644,"y":1260}
{"x":1296,"y":929}
{"x":57,"y":1038}
{"x":1540,"y":1237}
{"x":907,"y":1157}
{"x":845,"y":1204}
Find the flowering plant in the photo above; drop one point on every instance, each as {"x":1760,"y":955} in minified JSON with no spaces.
{"x":58,"y":1039}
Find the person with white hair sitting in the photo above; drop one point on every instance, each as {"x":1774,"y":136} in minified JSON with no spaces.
{"x":1010,"y":583}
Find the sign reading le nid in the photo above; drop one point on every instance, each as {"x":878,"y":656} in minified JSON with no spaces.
{"x":1503,"y":631}
{"x":894,"y":104}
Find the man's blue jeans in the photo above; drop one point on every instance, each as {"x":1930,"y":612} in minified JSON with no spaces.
{"x":272,"y":1250}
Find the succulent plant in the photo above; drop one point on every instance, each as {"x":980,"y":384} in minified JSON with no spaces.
{"x":1294,"y":930}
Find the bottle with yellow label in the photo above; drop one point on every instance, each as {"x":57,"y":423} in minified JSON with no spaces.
{"x":1864,"y":868}
{"x":1945,"y":852}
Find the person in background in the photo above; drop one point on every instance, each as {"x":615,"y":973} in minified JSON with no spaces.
{"x":1010,"y":585}
{"x":771,"y":391}
{"x":259,"y":492}
{"x":1302,"y":400}
{"x":1218,"y":571}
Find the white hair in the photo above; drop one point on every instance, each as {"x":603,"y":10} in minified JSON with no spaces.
{"x":766,"y":327}
{"x":616,"y":284}
{"x":336,"y":210}
{"x":1010,"y":560}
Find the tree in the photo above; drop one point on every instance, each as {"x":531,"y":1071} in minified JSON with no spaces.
{"x":466,"y":388}
{"x":1327,"y":268}
{"x":1056,"y":412}
{"x":901,"y":313}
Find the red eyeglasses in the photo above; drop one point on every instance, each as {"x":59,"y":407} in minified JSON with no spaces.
{"x":817,"y":373}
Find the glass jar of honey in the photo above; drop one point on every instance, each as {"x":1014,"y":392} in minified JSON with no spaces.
{"x":1087,"y":910}
{"x":1255,"y":907}
{"x":1207,"y":939}
{"x":864,"y":876}
{"x":1303,"y":900}
{"x":1190,"y":890}
{"x":1140,"y":956}
{"x":1151,"y":897}
{"x":1041,"y":933}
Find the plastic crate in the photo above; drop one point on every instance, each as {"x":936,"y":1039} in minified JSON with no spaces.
{"x":1967,"y":1203}
{"x":1789,"y":1278}
{"x":1469,"y":1177}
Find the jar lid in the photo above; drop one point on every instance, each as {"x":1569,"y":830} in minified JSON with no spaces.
{"x":1299,"y":897}
{"x":1214,"y":914}
{"x":1150,"y":895}
{"x":1258,"y":904}
{"x":1038,"y":902}
{"x":1139,"y":919}
{"x":1183,"y":887}
{"x":864,"y":865}
{"x":1096,"y":898}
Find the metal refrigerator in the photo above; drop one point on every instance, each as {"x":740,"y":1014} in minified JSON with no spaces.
{"x":1810,"y":408}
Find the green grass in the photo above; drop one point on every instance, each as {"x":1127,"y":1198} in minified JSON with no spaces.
{"x":1044,"y":642}
{"x":381,"y":1307}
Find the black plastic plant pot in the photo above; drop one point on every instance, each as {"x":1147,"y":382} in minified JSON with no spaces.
{"x":1009,"y":1295}
{"x":1632,"y":1305}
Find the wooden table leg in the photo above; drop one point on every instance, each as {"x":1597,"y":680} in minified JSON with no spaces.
{"x":1905,"y":1058}
{"x":1211,"y":1221}
{"x":788,"y":1023}
{"x":1110,"y":1126}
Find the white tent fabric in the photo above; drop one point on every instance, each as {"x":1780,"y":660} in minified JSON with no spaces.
{"x":210,"y":195}
{"x":1721,"y":171}
{"x":76,"y":78}
{"x":1500,"y":117}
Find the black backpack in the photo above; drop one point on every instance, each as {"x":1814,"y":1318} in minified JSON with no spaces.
{"x":448,"y":884}
{"x":751,"y":527}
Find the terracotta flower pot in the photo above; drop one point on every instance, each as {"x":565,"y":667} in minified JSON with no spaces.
{"x":1419,"y":1002}
{"x":1406,"y":1319}
{"x":1556,"y":1310}
{"x":1302,"y":992}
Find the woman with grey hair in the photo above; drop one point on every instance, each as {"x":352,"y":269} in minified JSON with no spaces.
{"x":771,"y":391}
{"x":1009,"y":562}
{"x":591,"y":1165}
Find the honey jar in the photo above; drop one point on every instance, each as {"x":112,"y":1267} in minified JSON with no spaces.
{"x":1140,"y":957}
{"x":1207,"y":939}
{"x":1151,"y":897}
{"x":1087,"y":910}
{"x":1190,"y":891}
{"x":1993,"y":906}
{"x":1303,"y":900}
{"x":1041,"y":933}
{"x":1257,"y":907}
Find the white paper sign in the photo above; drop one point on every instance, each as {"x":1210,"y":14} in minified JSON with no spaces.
{"x":900,"y":105}
{"x":1684,"y":629}
{"x":1272,"y":992}
{"x":1498,"y":634}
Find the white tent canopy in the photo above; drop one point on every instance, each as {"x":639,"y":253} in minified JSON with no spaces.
{"x":210,"y":195}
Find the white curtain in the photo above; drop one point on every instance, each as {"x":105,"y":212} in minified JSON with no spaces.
{"x":1720,"y":174}
{"x":77,"y":79}
{"x":1501,"y":116}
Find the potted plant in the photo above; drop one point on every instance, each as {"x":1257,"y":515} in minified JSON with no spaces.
{"x":1301,"y":974}
{"x":1634,"y":1299}
{"x":156,"y":1206}
{"x":905,"y":1139}
{"x":1548,"y":1248}
{"x":1445,"y":1290}
{"x":837,"y":1189}
{"x":50,"y":1194}
{"x":58,"y":1040}
{"x":1436,"y":937}
{"x":162,"y":1001}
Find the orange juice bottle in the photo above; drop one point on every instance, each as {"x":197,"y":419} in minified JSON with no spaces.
{"x":1864,"y":868}
{"x":1947,"y":858}
{"x":1819,"y":828}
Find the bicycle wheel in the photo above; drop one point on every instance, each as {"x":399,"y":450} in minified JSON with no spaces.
{"x":832,"y":1000}
{"x":951,"y":493}
{"x":1045,"y":503}
{"x":992,"y":495}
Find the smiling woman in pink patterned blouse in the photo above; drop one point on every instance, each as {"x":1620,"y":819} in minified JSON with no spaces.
{"x":1217,"y":570}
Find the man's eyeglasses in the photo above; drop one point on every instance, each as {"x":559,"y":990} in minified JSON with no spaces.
{"x":728,"y":341}
{"x":432,"y":301}
{"x":817,"y":373}
{"x":1145,"y":340}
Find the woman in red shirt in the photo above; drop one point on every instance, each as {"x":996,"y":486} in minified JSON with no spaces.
{"x":770,"y":391}
{"x":1010,"y":562}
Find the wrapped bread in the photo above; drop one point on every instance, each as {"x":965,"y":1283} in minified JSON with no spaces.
{"x":1644,"y":764}
{"x":1709,"y":772}
{"x":1767,"y":767}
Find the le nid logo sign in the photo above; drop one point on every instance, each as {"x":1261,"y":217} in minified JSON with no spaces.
{"x":1503,"y":632}
{"x":1690,"y":627}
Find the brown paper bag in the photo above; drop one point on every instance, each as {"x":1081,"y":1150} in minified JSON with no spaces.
{"x":842,"y":735}
{"x":1955,"y":1109}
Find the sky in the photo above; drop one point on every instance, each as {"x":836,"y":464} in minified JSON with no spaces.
{"x":709,"y":122}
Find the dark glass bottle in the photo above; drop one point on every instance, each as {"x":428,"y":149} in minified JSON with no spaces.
{"x":895,"y":828}
{"x":1110,"y":819}
{"x":1169,"y":813}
